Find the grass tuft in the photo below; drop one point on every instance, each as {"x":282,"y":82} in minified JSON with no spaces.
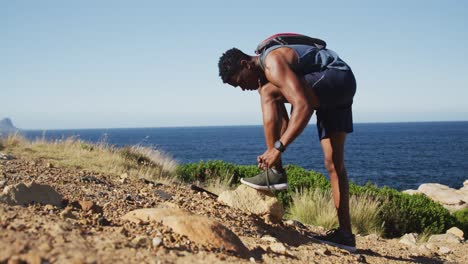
{"x":315,"y":207}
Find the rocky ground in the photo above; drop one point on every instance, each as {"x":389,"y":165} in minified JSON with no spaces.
{"x":87,"y":226}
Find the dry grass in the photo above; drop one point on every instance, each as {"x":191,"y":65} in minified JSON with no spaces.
{"x":217,"y":186}
{"x":316,"y":207}
{"x":136,"y":161}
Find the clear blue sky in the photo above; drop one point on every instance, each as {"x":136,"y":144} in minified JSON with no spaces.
{"x":104,"y":64}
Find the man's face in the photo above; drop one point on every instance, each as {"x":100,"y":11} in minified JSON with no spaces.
{"x":246,"y":79}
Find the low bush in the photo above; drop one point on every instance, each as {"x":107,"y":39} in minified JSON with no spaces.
{"x":461,"y":217}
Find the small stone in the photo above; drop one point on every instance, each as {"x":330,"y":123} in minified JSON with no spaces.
{"x":2,"y":183}
{"x":324,"y":251}
{"x":278,"y":248}
{"x":48,"y":207}
{"x":4,"y":156}
{"x":456,"y":231}
{"x":102,"y":221}
{"x":49,"y":165}
{"x":444,"y":250}
{"x":409,"y":239}
{"x":361,"y":258}
{"x":90,"y":206}
{"x":269,"y":239}
{"x":164,"y":195}
{"x":67,"y":213}
{"x":252,"y":260}
{"x":139,"y":241}
{"x":157,"y":241}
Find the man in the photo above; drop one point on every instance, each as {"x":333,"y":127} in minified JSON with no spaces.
{"x":281,"y":74}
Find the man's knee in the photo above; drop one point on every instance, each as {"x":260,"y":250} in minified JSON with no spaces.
{"x":329,"y":164}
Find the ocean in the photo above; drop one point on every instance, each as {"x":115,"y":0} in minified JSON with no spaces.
{"x":398,"y":155}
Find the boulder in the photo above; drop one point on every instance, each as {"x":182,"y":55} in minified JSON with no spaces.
{"x":24,"y":194}
{"x":456,"y":231}
{"x":444,"y":239}
{"x":450,"y":198}
{"x":197,"y":228}
{"x":262,"y":203}
{"x":206,"y":231}
{"x":409,"y":239}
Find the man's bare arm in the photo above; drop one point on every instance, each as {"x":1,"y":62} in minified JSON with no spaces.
{"x":279,"y":72}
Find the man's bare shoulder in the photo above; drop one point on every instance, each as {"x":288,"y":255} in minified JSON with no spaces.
{"x":281,"y":55}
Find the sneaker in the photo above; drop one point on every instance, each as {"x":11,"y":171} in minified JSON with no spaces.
{"x":336,"y":238}
{"x":267,"y":180}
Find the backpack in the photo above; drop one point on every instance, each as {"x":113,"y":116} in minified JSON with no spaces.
{"x":289,"y":39}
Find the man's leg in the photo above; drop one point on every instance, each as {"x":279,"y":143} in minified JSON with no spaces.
{"x":333,"y":150}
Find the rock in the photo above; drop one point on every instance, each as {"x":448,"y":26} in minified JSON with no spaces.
{"x":448,"y":197}
{"x":4,"y":156}
{"x":262,"y":203}
{"x":294,"y":223}
{"x":444,"y":250}
{"x":140,"y":241}
{"x":324,"y":251}
{"x":89,"y":206}
{"x":67,"y":213}
{"x":278,"y":248}
{"x":49,"y":207}
{"x":445,"y":238}
{"x":456,"y":231}
{"x":206,"y":231}
{"x":269,"y":239}
{"x":361,"y":258}
{"x":164,"y":195}
{"x":24,"y":194}
{"x":409,"y":239}
{"x":123,"y":178}
{"x":199,"y":229}
{"x":157,"y":241}
{"x":49,"y":165}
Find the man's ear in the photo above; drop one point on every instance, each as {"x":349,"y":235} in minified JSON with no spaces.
{"x":245,"y":64}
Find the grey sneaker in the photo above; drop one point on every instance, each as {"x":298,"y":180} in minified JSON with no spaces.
{"x":336,"y":238}
{"x":267,"y":180}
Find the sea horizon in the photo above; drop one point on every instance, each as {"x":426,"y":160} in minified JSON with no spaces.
{"x":234,"y":125}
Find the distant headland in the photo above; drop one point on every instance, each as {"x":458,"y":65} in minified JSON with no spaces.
{"x":6,"y":126}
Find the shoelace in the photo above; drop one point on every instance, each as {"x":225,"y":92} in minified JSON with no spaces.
{"x":268,"y":178}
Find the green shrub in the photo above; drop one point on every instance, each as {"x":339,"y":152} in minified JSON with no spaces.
{"x":403,"y":213}
{"x":461,"y":217}
{"x":215,"y":169}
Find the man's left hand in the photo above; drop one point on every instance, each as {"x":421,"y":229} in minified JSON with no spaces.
{"x":268,"y":159}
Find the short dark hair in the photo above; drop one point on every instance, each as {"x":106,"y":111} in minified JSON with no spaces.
{"x":229,"y":63}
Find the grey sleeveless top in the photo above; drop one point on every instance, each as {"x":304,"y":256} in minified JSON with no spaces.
{"x":311,"y":59}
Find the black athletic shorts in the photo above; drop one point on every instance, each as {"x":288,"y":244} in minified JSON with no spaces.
{"x":335,"y":90}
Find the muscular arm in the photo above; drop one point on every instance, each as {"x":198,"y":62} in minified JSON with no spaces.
{"x":278,"y":70}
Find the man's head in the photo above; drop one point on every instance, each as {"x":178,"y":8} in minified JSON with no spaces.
{"x":239,"y":69}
